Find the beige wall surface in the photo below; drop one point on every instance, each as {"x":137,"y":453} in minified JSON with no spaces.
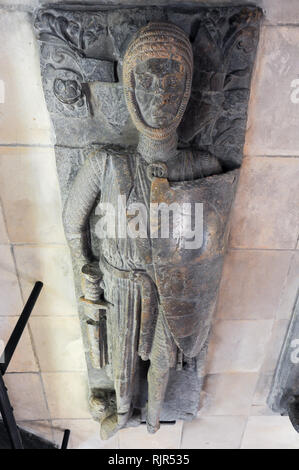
{"x":47,"y":377}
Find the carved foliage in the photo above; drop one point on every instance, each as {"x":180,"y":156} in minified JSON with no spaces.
{"x":224,"y":43}
{"x":78,"y":31}
{"x":67,"y":40}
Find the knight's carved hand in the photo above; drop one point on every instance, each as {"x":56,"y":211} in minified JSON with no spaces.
{"x":92,"y":277}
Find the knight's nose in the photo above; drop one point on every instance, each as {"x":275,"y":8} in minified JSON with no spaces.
{"x":160,"y":100}
{"x":159,"y":96}
{"x":159,"y":86}
{"x":159,"y":93}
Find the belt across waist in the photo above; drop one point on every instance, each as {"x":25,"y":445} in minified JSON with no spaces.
{"x":131,"y":274}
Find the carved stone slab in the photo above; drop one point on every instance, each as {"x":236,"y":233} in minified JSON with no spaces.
{"x":81,"y":55}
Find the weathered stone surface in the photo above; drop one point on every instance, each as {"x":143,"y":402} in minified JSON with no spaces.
{"x":58,"y":343}
{"x":216,"y":115}
{"x":284,"y":393}
{"x":3,"y":232}
{"x":273,"y":107}
{"x":277,"y":12}
{"x":84,"y":434}
{"x":269,"y":432}
{"x":110,"y":107}
{"x":276,"y":341}
{"x":27,"y":396}
{"x":265,"y":213}
{"x":168,"y":437}
{"x":10,"y":291}
{"x":23,"y":359}
{"x":252,"y":283}
{"x":82,"y":57}
{"x":24,"y":118}
{"x":227,"y":394}
{"x":213,"y":432}
{"x":259,"y":402}
{"x":238,"y":346}
{"x":30,"y":219}
{"x":289,"y":291}
{"x":52,"y":265}
{"x":73,"y":402}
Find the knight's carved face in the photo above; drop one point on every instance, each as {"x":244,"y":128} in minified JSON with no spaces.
{"x":159,"y":90}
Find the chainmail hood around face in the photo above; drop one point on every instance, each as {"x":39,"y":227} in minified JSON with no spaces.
{"x":157,"y":41}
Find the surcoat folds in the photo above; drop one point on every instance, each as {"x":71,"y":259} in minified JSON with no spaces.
{"x":186,"y":279}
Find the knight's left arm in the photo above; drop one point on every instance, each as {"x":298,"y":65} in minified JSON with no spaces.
{"x":206,"y":164}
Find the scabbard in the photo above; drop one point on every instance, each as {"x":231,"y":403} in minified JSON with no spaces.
{"x":149,"y":311}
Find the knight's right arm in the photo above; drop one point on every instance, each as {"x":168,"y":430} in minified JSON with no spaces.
{"x":83,"y":193}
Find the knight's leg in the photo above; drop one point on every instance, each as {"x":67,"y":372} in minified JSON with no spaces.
{"x":123,"y":327}
{"x":157,"y":383}
{"x":161,"y":358}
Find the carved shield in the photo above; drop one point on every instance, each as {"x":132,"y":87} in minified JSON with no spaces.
{"x":188,"y":273}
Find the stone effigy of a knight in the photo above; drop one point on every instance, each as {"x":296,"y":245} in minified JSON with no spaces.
{"x":156,"y":295}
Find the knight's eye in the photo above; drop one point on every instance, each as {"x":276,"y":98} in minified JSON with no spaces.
{"x":172,"y":82}
{"x":145,"y":81}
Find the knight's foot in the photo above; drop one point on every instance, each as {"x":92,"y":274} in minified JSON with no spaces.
{"x":123,"y":418}
{"x":153,"y":428}
{"x":109,"y":426}
{"x":101,"y":407}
